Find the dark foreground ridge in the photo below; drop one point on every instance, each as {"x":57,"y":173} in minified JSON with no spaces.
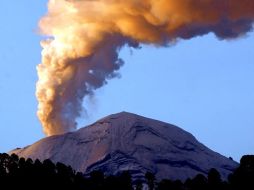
{"x":21,"y":173}
{"x":126,"y":141}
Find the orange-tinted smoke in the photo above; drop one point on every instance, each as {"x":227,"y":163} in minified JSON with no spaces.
{"x":85,"y":36}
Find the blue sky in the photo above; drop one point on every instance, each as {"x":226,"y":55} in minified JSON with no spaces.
{"x":203,"y":85}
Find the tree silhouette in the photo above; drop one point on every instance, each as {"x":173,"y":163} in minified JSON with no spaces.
{"x":125,"y":181}
{"x":96,"y":180}
{"x":21,"y":173}
{"x":150,"y":180}
{"x":199,"y":182}
{"x":139,"y":185}
{"x":214,"y":179}
{"x":243,"y":177}
{"x":165,"y":184}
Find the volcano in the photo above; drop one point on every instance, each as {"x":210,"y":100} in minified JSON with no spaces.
{"x":126,"y":141}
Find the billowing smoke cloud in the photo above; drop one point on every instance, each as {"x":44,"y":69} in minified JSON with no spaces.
{"x":85,"y":36}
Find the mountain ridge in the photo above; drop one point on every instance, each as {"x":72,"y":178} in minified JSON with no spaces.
{"x":126,"y":141}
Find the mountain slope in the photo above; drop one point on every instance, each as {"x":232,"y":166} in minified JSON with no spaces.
{"x":126,"y":141}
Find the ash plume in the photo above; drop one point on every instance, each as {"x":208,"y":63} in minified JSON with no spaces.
{"x":85,"y":36}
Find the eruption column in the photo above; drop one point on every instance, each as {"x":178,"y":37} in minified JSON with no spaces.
{"x":85,"y":36}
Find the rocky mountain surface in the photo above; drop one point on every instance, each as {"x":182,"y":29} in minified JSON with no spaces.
{"x":126,"y":141}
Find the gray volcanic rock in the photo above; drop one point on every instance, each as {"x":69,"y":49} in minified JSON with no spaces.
{"x":126,"y":141}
